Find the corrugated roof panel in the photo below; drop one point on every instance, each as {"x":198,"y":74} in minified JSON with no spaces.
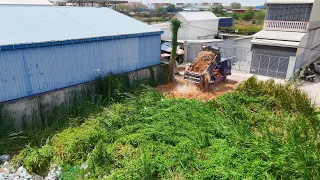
{"x":198,"y":16}
{"x":289,"y":1}
{"x":25,"y":2}
{"x":279,"y":35}
{"x":33,"y":24}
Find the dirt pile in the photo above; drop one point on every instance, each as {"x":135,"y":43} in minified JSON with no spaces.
{"x":203,"y":60}
{"x":183,"y":89}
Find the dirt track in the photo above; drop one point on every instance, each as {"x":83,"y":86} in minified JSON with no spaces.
{"x":182,"y":89}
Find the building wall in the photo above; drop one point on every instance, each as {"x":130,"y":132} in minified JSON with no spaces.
{"x":28,"y":110}
{"x":195,"y":30}
{"x":225,"y":22}
{"x":315,"y":15}
{"x":203,"y":29}
{"x":32,"y":71}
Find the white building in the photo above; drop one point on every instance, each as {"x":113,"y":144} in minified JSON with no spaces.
{"x":289,"y":40}
{"x":195,"y":26}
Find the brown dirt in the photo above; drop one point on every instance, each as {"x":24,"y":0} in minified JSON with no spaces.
{"x":203,"y":60}
{"x":186,"y":90}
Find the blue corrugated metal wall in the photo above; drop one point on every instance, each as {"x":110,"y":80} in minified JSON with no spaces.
{"x":31,"y":71}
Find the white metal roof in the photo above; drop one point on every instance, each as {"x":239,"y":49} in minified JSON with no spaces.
{"x":162,"y":26}
{"x":34,"y":24}
{"x":25,"y":2}
{"x":289,"y":1}
{"x":279,"y":35}
{"x":275,"y":43}
{"x":198,"y":16}
{"x":199,"y":41}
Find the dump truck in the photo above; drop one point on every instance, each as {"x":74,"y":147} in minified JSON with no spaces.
{"x":208,"y":68}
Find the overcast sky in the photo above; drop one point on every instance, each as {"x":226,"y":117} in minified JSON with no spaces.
{"x":224,"y":2}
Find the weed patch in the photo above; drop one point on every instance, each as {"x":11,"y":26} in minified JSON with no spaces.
{"x":252,"y":133}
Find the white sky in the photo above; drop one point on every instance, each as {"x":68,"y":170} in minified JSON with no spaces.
{"x":224,"y":2}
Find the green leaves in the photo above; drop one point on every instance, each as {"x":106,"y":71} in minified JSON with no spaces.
{"x":248,"y":134}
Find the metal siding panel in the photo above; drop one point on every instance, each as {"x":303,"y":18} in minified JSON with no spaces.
{"x":149,"y":51}
{"x":12,"y":76}
{"x":55,"y":67}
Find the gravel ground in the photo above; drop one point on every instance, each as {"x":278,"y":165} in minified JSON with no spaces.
{"x":8,"y":172}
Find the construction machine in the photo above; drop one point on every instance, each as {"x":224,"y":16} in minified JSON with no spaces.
{"x":208,"y":68}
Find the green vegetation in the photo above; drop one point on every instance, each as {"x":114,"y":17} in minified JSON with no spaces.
{"x":171,"y":8}
{"x":261,"y":131}
{"x":259,"y":16}
{"x":219,"y":10}
{"x":80,"y":105}
{"x":248,"y":15}
{"x":155,"y":19}
{"x":242,"y":29}
{"x":175,"y":26}
{"x":160,"y":10}
{"x":235,"y":5}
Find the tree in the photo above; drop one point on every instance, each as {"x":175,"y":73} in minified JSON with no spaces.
{"x":175,"y":26}
{"x":235,"y":16}
{"x":171,"y":8}
{"x":123,"y":8}
{"x":235,"y":5}
{"x":138,"y":7}
{"x":259,"y":16}
{"x":248,"y":15}
{"x":219,"y":10}
{"x":160,"y":9}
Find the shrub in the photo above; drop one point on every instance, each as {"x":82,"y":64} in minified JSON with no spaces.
{"x":248,"y":134}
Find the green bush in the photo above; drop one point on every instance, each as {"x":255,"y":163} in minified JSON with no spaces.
{"x":244,"y":30}
{"x":252,"y":133}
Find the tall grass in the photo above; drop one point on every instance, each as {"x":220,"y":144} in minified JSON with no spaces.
{"x":50,"y":119}
{"x":248,"y":134}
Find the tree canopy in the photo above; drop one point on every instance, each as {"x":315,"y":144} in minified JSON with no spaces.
{"x":171,"y":8}
{"x":248,"y":15}
{"x":160,"y":9}
{"x":235,"y":5}
{"x":219,"y":10}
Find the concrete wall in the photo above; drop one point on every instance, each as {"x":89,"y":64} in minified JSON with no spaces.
{"x":309,"y":48}
{"x":28,"y":109}
{"x":315,"y":15}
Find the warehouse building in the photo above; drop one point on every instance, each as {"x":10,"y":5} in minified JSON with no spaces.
{"x":194,"y":26}
{"x":45,"y":48}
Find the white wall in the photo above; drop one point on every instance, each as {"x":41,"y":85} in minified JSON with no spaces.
{"x":166,"y":36}
{"x":206,"y":29}
{"x":315,"y":15}
{"x":309,"y":47}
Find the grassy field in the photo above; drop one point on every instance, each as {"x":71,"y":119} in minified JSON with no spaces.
{"x":260,"y":131}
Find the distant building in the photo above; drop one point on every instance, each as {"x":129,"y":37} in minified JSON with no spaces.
{"x":195,"y":26}
{"x":240,"y":10}
{"x":26,"y":2}
{"x":183,"y":3}
{"x":46,"y":48}
{"x":225,"y":22}
{"x":88,"y":3}
{"x":289,"y":39}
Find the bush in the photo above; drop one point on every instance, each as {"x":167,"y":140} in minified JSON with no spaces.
{"x":245,"y":30}
{"x":258,"y":132}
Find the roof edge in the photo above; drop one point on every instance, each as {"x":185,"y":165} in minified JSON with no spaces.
{"x":289,"y":1}
{"x":28,"y":45}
